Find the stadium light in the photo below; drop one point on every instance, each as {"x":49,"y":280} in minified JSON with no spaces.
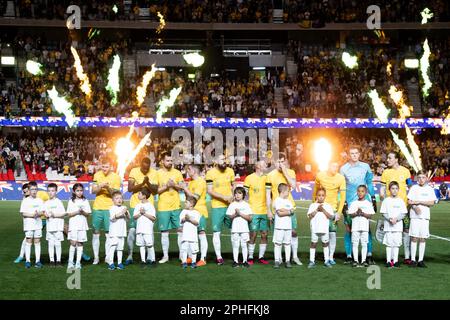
{"x":191,"y":76}
{"x":411,"y":63}
{"x":8,"y":61}
{"x":259,"y":68}
{"x":160,"y":69}
{"x":195,"y":59}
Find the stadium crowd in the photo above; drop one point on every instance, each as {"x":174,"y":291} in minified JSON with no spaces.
{"x":307,"y":13}
{"x":80,"y":153}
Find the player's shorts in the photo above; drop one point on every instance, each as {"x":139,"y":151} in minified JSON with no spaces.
{"x":35,"y":234}
{"x":282,"y":236}
{"x":360,"y":236}
{"x":117,"y":241}
{"x":77,"y":235}
{"x":333,"y":226}
{"x":100,"y":220}
{"x":132,"y":223}
{"x":192,"y":245}
{"x":44,"y":223}
{"x":54,"y":236}
{"x":219,"y":218}
{"x":259,"y":223}
{"x":393,"y":239}
{"x":348,"y":220}
{"x":240,"y":236}
{"x":144,"y":240}
{"x":168,"y":220}
{"x":201,"y":224}
{"x":419,"y":228}
{"x":324,"y":237}
{"x":294,"y":222}
{"x":406,"y":223}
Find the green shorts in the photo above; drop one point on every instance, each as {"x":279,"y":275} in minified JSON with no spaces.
{"x":132,"y":223}
{"x":100,"y":220}
{"x":333,"y":226}
{"x":219,"y":218}
{"x":259,"y":223}
{"x":406,"y":222}
{"x":294,"y":222}
{"x":168,"y":220}
{"x":348,"y":220}
{"x":202,"y":224}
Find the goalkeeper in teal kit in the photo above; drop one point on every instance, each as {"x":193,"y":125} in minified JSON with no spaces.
{"x":356,"y":173}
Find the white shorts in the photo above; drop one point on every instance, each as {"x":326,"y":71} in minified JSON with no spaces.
{"x":419,"y":228}
{"x":324,"y":237}
{"x":54,"y":236}
{"x":117,"y":241}
{"x":185,"y":245}
{"x":282,"y":236}
{"x":393,"y":239}
{"x":77,"y":235}
{"x":240,"y":236}
{"x":360,"y":236}
{"x":36,"y":234}
{"x":144,"y":240}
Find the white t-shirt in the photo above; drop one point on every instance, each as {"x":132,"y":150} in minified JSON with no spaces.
{"x":190,"y":232}
{"x":424,"y":193}
{"x":284,"y":223}
{"x":143,"y":224}
{"x":31,"y":205}
{"x":117,"y":227}
{"x":239,"y":224}
{"x":361,"y":223}
{"x":393,"y":207}
{"x":320,"y":223}
{"x":78,"y":222}
{"x":54,"y":206}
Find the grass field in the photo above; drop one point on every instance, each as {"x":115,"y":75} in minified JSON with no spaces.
{"x":170,"y":281}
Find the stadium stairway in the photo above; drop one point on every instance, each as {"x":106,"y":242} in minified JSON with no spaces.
{"x":414,"y":97}
{"x":283,"y":112}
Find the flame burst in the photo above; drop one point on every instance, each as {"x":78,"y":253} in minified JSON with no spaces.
{"x":426,"y":14}
{"x":414,"y":148}
{"x":84,"y":80}
{"x":126,"y":152}
{"x":397,"y":96}
{"x":380,"y":109}
{"x":62,"y":106}
{"x":349,"y":60}
{"x":113,"y":85}
{"x":389,"y":69}
{"x":424,"y":66}
{"x":165,"y":103}
{"x":35,"y":68}
{"x":405,"y":151}
{"x":162,"y":23}
{"x":322,"y":153}
{"x":141,"y":90}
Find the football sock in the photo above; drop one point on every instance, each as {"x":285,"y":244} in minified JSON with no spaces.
{"x":130,"y":240}
{"x":348,"y":244}
{"x":203,"y":246}
{"x":96,"y":245}
{"x":79,"y":253}
{"x":251,"y":250}
{"x":294,"y":245}
{"x":244,"y":250}
{"x":179,"y":239}
{"x":407,"y":245}
{"x":363,"y":252}
{"x":332,"y":244}
{"x":277,"y":252}
{"x":262,"y":250}
{"x":388,"y":254}
{"x":119,"y":256}
{"x":71,"y":253}
{"x":142,"y":252}
{"x":216,"y":244}
{"x":51,"y":250}
{"x":27,"y":251}
{"x":395,"y":254}
{"x":112,"y":249}
{"x":235,"y":245}
{"x":355,"y":251}
{"x":421,"y":250}
{"x":369,"y":245}
{"x":58,"y":251}
{"x":194,"y":257}
{"x":413,"y":250}
{"x":287,"y":251}
{"x":312,"y":254}
{"x":107,"y":249}
{"x":165,"y":243}
{"x":326,"y":254}
{"x":151,"y":253}
{"x":22,"y":248}
{"x":183,"y":252}
{"x":37,"y":251}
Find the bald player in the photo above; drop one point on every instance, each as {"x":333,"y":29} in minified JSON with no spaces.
{"x":139,"y":178}
{"x":334,"y":184}
{"x":282,"y":174}
{"x":197,"y":189}
{"x":400,"y":174}
{"x":220,"y":184}
{"x":105,"y":183}
{"x":255,"y":187}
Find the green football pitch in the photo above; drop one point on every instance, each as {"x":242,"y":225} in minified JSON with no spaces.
{"x":170,"y":281}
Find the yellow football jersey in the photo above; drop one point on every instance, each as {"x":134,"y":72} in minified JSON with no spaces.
{"x":103,"y":200}
{"x":137,"y":175}
{"x":401,"y":174}
{"x":198,"y":187}
{"x":170,"y":199}
{"x":256,"y":186}
{"x":332,"y":185}
{"x":222,"y":183}
{"x":43,"y":195}
{"x":274,"y":178}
